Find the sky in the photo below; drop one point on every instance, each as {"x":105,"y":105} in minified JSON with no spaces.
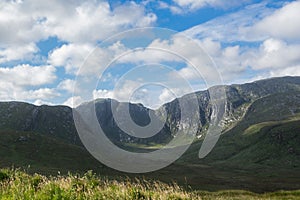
{"x":67,"y":52}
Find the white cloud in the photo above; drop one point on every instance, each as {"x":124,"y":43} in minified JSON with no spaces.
{"x":82,"y":23}
{"x":255,"y":22}
{"x":276,"y":57}
{"x":26,"y":75}
{"x":189,"y":73}
{"x":86,"y":57}
{"x":192,"y":5}
{"x":16,"y":83}
{"x":17,"y":52}
{"x":40,"y":102}
{"x":150,"y":94}
{"x":70,"y":56}
{"x":284,"y":23}
{"x":233,"y":26}
{"x":73,"y":101}
{"x":274,"y":54}
{"x":67,"y":85}
{"x":42,"y":93}
{"x":288,"y":71}
{"x":92,"y":21}
{"x":19,"y":23}
{"x":179,"y":49}
{"x":9,"y":92}
{"x":122,"y":93}
{"x":99,"y":94}
{"x":132,"y":91}
{"x":24,"y":23}
{"x":166,"y":96}
{"x":72,"y":21}
{"x":152,"y":98}
{"x":174,"y":9}
{"x":171,"y":93}
{"x":229,"y":61}
{"x":259,"y":38}
{"x":210,"y":46}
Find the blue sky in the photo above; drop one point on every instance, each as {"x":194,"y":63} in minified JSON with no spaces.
{"x":49,"y":48}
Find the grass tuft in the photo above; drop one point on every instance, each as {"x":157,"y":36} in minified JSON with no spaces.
{"x":17,"y":184}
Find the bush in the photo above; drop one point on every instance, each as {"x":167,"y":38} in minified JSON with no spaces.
{"x":3,"y":176}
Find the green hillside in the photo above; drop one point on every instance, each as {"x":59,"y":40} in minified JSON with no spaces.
{"x":36,"y":152}
{"x":257,"y":151}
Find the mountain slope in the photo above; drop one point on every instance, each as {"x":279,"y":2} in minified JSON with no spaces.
{"x":270,"y":125}
{"x":54,"y":121}
{"x":259,"y":144}
{"x":40,"y":153}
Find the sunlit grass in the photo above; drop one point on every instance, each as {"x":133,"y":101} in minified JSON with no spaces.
{"x":16,"y":184}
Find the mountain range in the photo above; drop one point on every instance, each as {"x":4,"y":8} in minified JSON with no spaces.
{"x":259,"y":148}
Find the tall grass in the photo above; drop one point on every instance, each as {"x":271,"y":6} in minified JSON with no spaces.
{"x":16,"y":184}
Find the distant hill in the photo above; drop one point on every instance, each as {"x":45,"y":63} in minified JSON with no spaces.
{"x":259,"y":146}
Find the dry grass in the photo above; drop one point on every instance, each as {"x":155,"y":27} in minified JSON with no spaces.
{"x":16,"y":184}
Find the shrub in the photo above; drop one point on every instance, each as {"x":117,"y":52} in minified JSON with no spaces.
{"x":3,"y":176}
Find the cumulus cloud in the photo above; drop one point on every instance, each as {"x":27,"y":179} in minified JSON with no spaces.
{"x":283,"y":24}
{"x":167,"y":87}
{"x":24,"y":23}
{"x":134,"y":92}
{"x":188,"y":73}
{"x":228,"y":62}
{"x":10,"y":92}
{"x":90,"y":21}
{"x":293,"y":70}
{"x":41,"y":93}
{"x":67,"y":85}
{"x":40,"y":102}
{"x":27,"y":75}
{"x":17,"y":52}
{"x":73,"y":101}
{"x":151,"y":98}
{"x":275,"y":54}
{"x":71,"y":21}
{"x":99,"y":94}
{"x":178,"y":48}
{"x":259,"y":39}
{"x":70,"y":56}
{"x":166,"y":96}
{"x":15,"y":82}
{"x":89,"y":58}
{"x":122,"y":93}
{"x":19,"y":23}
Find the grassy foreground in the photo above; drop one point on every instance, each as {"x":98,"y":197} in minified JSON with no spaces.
{"x":16,"y":184}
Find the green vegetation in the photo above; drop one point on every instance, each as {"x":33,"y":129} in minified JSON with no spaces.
{"x":16,"y":184}
{"x":43,"y":154}
{"x":258,"y":152}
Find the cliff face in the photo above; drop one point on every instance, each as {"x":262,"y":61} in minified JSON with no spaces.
{"x":239,"y":99}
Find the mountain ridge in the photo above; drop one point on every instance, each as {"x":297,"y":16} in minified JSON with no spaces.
{"x":238,"y":98}
{"x":259,"y":145}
